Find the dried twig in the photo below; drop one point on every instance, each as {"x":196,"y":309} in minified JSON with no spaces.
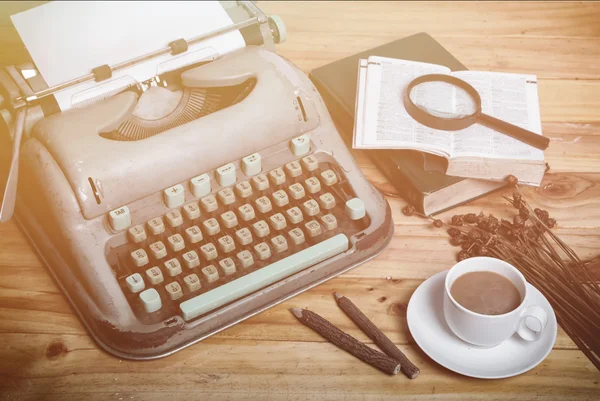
{"x":545,"y":260}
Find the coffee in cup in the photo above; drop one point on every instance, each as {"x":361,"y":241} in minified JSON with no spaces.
{"x":486,"y":302}
{"x":486,"y":292}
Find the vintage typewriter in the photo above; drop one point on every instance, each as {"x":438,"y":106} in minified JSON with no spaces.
{"x":178,"y":207}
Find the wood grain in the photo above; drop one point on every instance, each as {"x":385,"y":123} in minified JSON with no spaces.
{"x":474,"y":19}
{"x":70,"y":367}
{"x":47,"y":355}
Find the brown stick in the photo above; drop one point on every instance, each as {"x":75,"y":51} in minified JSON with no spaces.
{"x":346,"y":342}
{"x":408,"y":368}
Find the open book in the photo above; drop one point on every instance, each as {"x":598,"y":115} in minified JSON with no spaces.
{"x":381,"y":121}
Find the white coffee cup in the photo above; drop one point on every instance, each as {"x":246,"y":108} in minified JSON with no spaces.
{"x":487,"y":331}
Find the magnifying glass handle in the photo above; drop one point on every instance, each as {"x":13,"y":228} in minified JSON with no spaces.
{"x":523,"y":135}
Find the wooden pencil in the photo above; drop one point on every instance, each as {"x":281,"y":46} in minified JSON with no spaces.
{"x":346,"y":342}
{"x":383,"y":342}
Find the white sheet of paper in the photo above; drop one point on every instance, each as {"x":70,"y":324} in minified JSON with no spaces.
{"x":67,"y":40}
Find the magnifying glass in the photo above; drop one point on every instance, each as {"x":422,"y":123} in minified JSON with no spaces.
{"x":467,"y":111}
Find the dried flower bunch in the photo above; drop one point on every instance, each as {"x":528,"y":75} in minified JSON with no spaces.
{"x":528,"y":243}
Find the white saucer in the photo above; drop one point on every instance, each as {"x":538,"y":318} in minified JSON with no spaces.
{"x":514,"y":356}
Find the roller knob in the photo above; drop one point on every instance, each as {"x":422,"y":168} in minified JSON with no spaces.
{"x":277,"y":29}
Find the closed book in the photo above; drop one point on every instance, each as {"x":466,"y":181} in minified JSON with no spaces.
{"x":418,"y":177}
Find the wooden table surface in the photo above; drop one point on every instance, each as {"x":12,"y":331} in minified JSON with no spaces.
{"x":45,"y":353}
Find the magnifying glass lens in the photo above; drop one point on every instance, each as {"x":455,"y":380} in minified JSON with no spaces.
{"x":464,"y":105}
{"x":443,"y":100}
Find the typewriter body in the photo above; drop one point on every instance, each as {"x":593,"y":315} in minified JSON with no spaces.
{"x":169,"y":214}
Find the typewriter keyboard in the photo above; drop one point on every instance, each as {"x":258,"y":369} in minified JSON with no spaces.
{"x":230,"y":242}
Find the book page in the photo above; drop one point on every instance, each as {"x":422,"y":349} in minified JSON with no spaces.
{"x":509,"y":97}
{"x":359,"y":106}
{"x":386,"y":122}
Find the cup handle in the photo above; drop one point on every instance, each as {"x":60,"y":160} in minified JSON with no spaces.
{"x":533,"y":312}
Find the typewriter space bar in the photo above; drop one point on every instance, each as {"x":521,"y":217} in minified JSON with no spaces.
{"x":263,"y":277}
